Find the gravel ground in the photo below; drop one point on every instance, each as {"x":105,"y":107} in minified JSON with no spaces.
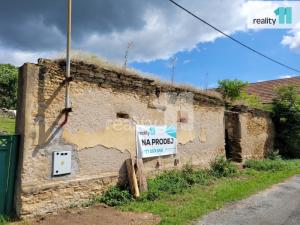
{"x":279,"y":205}
{"x":97,"y":215}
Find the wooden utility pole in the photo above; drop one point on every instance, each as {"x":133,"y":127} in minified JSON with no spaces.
{"x":68,"y":56}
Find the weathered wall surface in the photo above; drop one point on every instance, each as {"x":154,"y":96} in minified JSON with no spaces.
{"x":257,"y":134}
{"x":100,"y":137}
{"x":250,"y":133}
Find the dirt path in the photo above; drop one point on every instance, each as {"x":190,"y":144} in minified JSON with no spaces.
{"x":97,"y":215}
{"x":279,"y":205}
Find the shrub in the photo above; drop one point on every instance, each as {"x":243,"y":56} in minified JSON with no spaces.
{"x":8,"y":84}
{"x":253,"y":101}
{"x":286,"y":116}
{"x":189,"y":174}
{"x":115,"y":196}
{"x":266,"y":165}
{"x":195,"y":176}
{"x":231,"y":89}
{"x":221,"y":167}
{"x":170,"y":182}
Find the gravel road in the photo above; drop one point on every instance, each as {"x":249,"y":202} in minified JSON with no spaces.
{"x":279,"y":205}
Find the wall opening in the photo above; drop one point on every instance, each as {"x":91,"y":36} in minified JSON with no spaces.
{"x":233,"y":137}
{"x":228,"y":149}
{"x":122,"y":115}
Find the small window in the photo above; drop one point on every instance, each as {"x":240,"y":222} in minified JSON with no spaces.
{"x":123,"y":115}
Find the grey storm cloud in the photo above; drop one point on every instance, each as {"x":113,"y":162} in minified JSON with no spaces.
{"x":40,"y":24}
{"x":36,"y":28}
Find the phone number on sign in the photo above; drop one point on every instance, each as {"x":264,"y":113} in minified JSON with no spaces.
{"x":153,"y":150}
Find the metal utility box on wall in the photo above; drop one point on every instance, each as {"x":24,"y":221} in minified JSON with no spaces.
{"x":62,"y":162}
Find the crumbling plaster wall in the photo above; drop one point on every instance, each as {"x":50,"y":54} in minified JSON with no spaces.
{"x":91,"y":126}
{"x":100,"y":141}
{"x":250,"y":133}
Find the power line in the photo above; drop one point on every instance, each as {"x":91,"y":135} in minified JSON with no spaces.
{"x":235,"y":40}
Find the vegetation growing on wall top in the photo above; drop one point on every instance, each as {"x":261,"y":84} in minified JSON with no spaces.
{"x":233,"y":92}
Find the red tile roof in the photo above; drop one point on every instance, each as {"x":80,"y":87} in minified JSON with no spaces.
{"x":266,"y":89}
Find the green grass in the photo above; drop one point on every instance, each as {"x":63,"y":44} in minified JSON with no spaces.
{"x":169,"y":183}
{"x":3,"y":220}
{"x":199,"y":200}
{"x":7,"y":125}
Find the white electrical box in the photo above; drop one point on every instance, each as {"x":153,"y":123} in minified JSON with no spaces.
{"x":62,"y":162}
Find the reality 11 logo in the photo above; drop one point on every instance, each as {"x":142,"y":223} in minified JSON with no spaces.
{"x":152,"y":131}
{"x":284,"y":14}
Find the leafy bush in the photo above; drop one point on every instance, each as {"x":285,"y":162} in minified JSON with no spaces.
{"x":231,"y":89}
{"x":266,"y":165}
{"x":8,"y":86}
{"x":221,"y":167}
{"x":253,"y":101}
{"x":115,"y":196}
{"x":286,"y":116}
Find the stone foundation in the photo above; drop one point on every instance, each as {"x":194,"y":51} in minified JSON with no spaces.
{"x":45,"y":199}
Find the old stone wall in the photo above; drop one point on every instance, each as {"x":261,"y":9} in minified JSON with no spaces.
{"x":257,"y":135}
{"x":250,"y":133}
{"x":100,"y":130}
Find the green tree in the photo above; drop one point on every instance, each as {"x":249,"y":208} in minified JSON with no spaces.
{"x":286,"y":115}
{"x":8,"y":86}
{"x":231,"y":89}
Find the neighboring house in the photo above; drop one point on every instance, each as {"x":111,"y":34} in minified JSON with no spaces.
{"x":266,"y":90}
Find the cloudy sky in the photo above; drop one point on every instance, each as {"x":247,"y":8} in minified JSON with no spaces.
{"x":33,"y":28}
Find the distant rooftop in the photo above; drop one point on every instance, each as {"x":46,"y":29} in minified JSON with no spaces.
{"x":266,"y":89}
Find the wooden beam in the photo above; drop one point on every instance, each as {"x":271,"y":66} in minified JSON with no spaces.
{"x":142,"y":181}
{"x":132,"y":178}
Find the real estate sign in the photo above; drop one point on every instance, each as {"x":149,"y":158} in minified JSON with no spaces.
{"x":154,"y":141}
